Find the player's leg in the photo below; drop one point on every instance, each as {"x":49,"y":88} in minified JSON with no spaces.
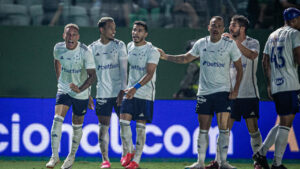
{"x":281,"y":139}
{"x":222,"y":106}
{"x":205,"y":115}
{"x":103,"y":110}
{"x":62,"y":106}
{"x":79,"y":108}
{"x":126,"y":111}
{"x":143,"y":114}
{"x":256,"y":139}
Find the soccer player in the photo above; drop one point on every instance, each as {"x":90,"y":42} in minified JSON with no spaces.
{"x":247,"y":102}
{"x":75,"y":72}
{"x":280,"y":62}
{"x":214,"y":93}
{"x":143,"y":58}
{"x":110,"y":57}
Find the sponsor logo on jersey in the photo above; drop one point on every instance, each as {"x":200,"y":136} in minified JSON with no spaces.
{"x":70,"y":70}
{"x":136,"y":67}
{"x":213,"y":64}
{"x":279,"y":81}
{"x":109,"y":66}
{"x":61,"y":57}
{"x":201,"y":99}
{"x":97,"y":54}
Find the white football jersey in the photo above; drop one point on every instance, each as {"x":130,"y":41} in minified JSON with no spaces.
{"x":111,"y":67}
{"x":138,"y":58}
{"x":248,"y":87}
{"x":215,"y":59}
{"x":279,"y":47}
{"x":73,"y":68}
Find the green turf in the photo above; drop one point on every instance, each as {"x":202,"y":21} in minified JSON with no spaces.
{"x":18,"y":164}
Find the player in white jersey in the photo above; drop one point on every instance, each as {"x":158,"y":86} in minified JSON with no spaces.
{"x":280,"y":61}
{"x":143,"y":58}
{"x":216,"y":53}
{"x":75,"y":72}
{"x":110,"y":57}
{"x":247,"y":102}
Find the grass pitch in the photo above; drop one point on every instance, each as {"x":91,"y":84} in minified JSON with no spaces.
{"x":30,"y":163}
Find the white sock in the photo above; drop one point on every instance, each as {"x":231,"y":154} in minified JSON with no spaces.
{"x":126,"y":135}
{"x":103,"y":141}
{"x":223,"y":140}
{"x":269,"y":141}
{"x":218,"y":158}
{"x":76,"y":137}
{"x":202,"y":146}
{"x":140,"y":141}
{"x":56,"y":134}
{"x":255,"y":140}
{"x":280,"y":144}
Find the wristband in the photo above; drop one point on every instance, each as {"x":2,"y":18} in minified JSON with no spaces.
{"x":137,"y":86}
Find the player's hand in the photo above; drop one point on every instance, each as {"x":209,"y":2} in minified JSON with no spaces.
{"x":227,"y":35}
{"x":74,"y":88}
{"x":130,"y":92}
{"x":233,"y":95}
{"x":162,"y":54}
{"x":120,"y":97}
{"x":91,"y":103}
{"x":269,"y":92}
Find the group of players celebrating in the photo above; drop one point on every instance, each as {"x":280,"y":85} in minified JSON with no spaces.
{"x":227,"y":87}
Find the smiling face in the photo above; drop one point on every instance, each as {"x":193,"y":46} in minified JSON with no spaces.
{"x":71,"y":37}
{"x":216,"y":29}
{"x":108,"y":31}
{"x":139,"y":34}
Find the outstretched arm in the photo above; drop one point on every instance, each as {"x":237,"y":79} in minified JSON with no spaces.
{"x":183,"y":58}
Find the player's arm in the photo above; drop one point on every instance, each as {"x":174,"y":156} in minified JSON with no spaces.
{"x":250,"y":54}
{"x":57,"y":68}
{"x":123,"y":60}
{"x":296,"y":52}
{"x":183,"y":58}
{"x":267,"y":72}
{"x":151,"y":67}
{"x":87,"y":83}
{"x":239,"y":76}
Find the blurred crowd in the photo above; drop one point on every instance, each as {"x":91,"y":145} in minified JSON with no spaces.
{"x":264,"y":14}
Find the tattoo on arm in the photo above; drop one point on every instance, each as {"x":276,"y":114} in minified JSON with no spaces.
{"x":90,"y":80}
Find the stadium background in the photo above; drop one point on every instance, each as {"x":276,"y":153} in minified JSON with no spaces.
{"x":28,"y":88}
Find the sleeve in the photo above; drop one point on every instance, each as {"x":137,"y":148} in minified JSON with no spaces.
{"x":123,"y":60}
{"x":266,"y":49}
{"x":296,"y":39}
{"x":89,"y":60}
{"x":254,"y":46}
{"x":195,"y":51}
{"x":154,"y":56}
{"x":55,"y":52}
{"x":235,"y":53}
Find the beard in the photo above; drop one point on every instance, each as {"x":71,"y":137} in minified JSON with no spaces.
{"x":236,"y":34}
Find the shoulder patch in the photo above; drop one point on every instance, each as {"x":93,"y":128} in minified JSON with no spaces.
{"x":83,"y":46}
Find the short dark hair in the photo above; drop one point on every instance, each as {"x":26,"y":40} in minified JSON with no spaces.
{"x":102,"y":22}
{"x":141,"y":23}
{"x":241,"y":20}
{"x":220,"y":18}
